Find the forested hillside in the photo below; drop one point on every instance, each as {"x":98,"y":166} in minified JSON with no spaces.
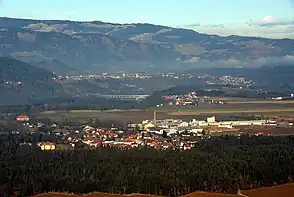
{"x":221,"y":164}
{"x":21,"y":82}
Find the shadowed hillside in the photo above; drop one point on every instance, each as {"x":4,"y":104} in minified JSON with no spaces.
{"x":21,"y":82}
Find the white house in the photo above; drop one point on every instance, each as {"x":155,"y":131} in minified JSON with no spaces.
{"x":183,"y":124}
{"x":198,"y":130}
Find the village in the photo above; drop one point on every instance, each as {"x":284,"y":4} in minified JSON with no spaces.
{"x":188,"y":99}
{"x":159,"y":134}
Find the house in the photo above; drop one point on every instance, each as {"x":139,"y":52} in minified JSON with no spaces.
{"x":89,"y":128}
{"x":202,"y":123}
{"x":171,"y":131}
{"x":135,"y":126}
{"x":96,"y":143}
{"x":259,"y":134}
{"x":88,"y":140}
{"x":183,"y":124}
{"x":196,"y":130}
{"x":166,"y":145}
{"x":187,"y":147}
{"x":47,"y":146}
{"x":145,"y":122}
{"x":149,"y":125}
{"x":22,"y":118}
{"x":211,"y":119}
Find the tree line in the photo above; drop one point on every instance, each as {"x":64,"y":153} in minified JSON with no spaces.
{"x":220,"y":164}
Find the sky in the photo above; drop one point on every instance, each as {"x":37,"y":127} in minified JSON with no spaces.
{"x":265,"y":18}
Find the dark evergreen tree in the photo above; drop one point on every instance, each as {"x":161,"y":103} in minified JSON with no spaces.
{"x":220,"y":164}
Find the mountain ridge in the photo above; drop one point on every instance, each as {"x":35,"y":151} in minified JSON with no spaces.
{"x":21,"y":83}
{"x":99,"y":46}
{"x":58,"y":21}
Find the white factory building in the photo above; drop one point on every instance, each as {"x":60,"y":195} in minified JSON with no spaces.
{"x":212,"y":122}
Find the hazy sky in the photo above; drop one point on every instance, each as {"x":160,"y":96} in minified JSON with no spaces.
{"x":269,"y":18}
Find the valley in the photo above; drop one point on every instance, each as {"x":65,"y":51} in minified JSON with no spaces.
{"x":137,"y":109}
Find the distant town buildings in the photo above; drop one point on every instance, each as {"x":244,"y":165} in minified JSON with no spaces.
{"x":155,"y":133}
{"x":188,"y":99}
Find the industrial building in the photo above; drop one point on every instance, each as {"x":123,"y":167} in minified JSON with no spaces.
{"x":211,"y":121}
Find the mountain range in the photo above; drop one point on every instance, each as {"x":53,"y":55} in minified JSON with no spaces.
{"x":85,"y":47}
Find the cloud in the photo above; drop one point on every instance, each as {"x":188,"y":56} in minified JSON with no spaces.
{"x":270,"y":21}
{"x":247,"y":30}
{"x":216,"y":25}
{"x":192,"y":25}
{"x":268,"y":27}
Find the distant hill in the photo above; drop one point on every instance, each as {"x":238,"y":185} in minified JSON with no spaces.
{"x":20,"y":83}
{"x":99,"y":46}
{"x":272,"y":78}
{"x":55,"y":66}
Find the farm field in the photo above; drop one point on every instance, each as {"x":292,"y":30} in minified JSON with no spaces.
{"x":230,"y":98}
{"x":247,"y":107}
{"x":236,"y":100}
{"x":286,"y":190}
{"x":231,"y":111}
{"x":138,"y":116}
{"x":282,"y":102}
{"x":122,"y":116}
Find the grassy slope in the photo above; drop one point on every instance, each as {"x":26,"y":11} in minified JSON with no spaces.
{"x":286,"y":190}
